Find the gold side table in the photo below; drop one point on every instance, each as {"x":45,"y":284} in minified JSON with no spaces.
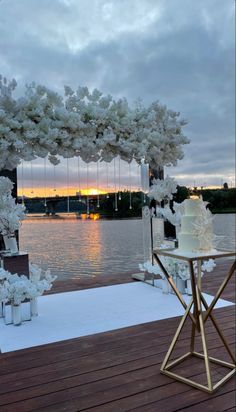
{"x":198,"y":317}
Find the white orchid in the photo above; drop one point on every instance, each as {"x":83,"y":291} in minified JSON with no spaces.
{"x":208,"y":265}
{"x":4,"y":274}
{"x":149,"y":267}
{"x":163,"y":189}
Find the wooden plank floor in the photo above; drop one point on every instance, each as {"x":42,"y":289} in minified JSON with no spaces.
{"x":118,"y":370}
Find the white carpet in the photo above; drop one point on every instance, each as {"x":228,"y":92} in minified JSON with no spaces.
{"x":73,"y":314}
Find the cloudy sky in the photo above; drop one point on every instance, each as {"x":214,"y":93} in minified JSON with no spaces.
{"x":180,"y":52}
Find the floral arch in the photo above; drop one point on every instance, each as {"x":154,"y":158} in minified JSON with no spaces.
{"x":86,"y":124}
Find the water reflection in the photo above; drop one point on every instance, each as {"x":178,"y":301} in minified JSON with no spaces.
{"x":75,"y":248}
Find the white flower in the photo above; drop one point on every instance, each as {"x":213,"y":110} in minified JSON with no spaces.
{"x":149,"y":267}
{"x":17,"y":288}
{"x":208,"y":265}
{"x":163,"y":189}
{"x":176,"y":267}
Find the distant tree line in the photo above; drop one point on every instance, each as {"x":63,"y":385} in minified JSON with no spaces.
{"x":220,"y":201}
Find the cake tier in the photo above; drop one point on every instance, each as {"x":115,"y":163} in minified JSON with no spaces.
{"x":192,"y":207}
{"x":188,"y":242}
{"x":191,"y":243}
{"x":187,"y":224}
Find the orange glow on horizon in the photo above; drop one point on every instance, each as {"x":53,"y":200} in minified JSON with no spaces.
{"x":92,"y":191}
{"x":62,"y":191}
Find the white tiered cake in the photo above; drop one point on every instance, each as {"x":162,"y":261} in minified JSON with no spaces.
{"x":196,"y":227}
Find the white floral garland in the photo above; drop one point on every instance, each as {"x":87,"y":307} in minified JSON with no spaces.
{"x":85,"y":124}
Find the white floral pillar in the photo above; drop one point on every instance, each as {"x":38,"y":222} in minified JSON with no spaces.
{"x":12,"y":175}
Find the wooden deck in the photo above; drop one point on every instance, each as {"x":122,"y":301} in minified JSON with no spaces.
{"x":118,"y":370}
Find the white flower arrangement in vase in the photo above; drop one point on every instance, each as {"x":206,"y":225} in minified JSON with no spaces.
{"x":11,"y":214}
{"x":178,"y":270}
{"x":16,"y":288}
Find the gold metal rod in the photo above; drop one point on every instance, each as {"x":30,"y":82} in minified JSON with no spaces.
{"x":180,"y":327}
{"x":188,"y":381}
{"x":220,"y":290}
{"x":223,"y":380}
{"x":171,"y":282}
{"x":193,"y":284}
{"x":218,"y":330}
{"x":192,"y":338}
{"x":199,"y":273}
{"x":177,"y":361}
{"x":215,"y":360}
{"x":204,"y":342}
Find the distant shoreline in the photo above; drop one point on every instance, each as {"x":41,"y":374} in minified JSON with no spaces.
{"x":224,"y":211}
{"x":64,"y":216}
{"x":74,"y":216}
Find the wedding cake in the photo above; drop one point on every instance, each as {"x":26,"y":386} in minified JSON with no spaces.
{"x":196,"y":232}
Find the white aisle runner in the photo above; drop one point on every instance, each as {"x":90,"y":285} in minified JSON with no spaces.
{"x":73,"y":314}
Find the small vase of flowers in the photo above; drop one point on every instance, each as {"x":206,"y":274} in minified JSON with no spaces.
{"x":16,"y":289}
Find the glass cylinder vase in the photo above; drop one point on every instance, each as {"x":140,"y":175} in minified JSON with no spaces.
{"x":147,"y":245}
{"x":180,"y":283}
{"x":165,"y":286}
{"x":34,"y":307}
{"x":189,"y":287}
{"x":10,"y":243}
{"x":158,"y":232}
{"x":16,"y":314}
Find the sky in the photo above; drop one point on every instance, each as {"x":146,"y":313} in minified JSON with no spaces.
{"x":180,"y":52}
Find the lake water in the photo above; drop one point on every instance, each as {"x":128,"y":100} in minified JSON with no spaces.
{"x":72,"y":248}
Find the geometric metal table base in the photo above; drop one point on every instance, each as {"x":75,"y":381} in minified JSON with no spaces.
{"x":198,"y":316}
{"x":209,"y":389}
{"x":165,"y":367}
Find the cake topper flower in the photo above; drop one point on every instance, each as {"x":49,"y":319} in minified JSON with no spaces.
{"x":203,"y":227}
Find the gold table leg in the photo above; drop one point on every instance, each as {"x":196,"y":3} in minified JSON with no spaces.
{"x":173,"y":285}
{"x":199,"y":324}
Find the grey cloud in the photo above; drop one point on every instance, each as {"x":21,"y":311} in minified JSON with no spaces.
{"x":179,"y":52}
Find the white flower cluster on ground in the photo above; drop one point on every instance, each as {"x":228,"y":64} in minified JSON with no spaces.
{"x":85,"y":124}
{"x":16,"y":288}
{"x":11,"y":213}
{"x":163,"y":189}
{"x":176,"y":267}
